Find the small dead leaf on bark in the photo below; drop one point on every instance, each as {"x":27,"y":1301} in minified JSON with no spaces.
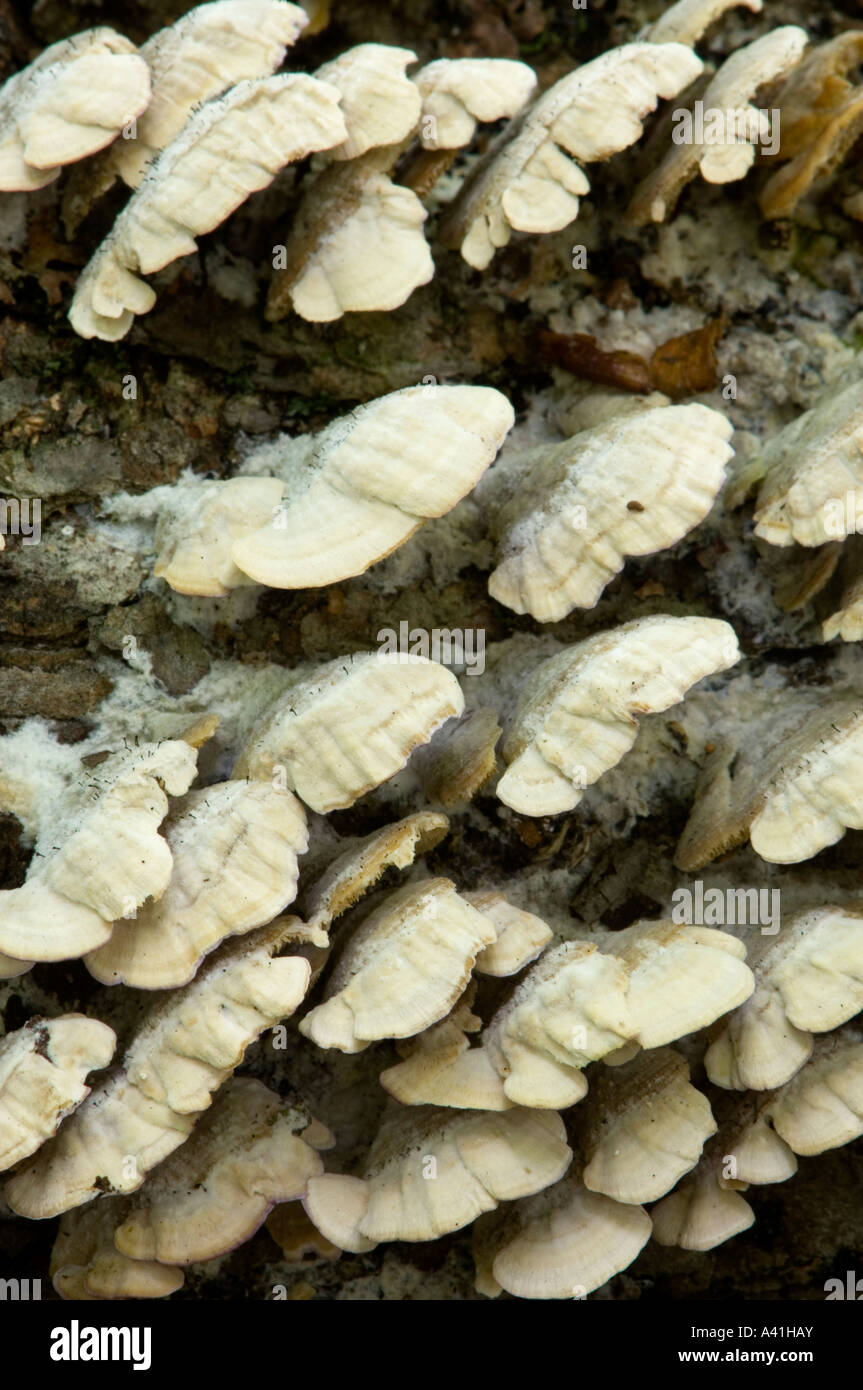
{"x":683,"y":366}
{"x":580,"y":354}
{"x":686,"y":364}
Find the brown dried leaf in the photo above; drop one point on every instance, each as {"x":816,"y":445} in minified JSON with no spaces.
{"x":686,"y":364}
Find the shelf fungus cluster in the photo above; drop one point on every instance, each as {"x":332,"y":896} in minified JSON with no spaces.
{"x":334,"y":503}
{"x":346,"y":970}
{"x":383,"y":129}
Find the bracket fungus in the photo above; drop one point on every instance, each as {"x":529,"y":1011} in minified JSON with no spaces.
{"x":721,"y":147}
{"x":339,"y":730}
{"x":822,"y":118}
{"x":357,"y":242}
{"x":439,"y":1067}
{"x":478,"y":1020}
{"x":642,"y":1126}
{"x":235,"y":848}
{"x":188,"y":1044}
{"x":648,"y":984}
{"x":630,"y":487}
{"x":198,"y":526}
{"x":808,"y":979}
{"x":687,"y":20}
{"x":576,"y":717}
{"x":73,"y":100}
{"x":822,"y":1106}
{"x":460,"y":759}
{"x":563,"y":1243}
{"x":531,"y":181}
{"x":191,"y":61}
{"x":353,"y":872}
{"x":432,"y":1171}
{"x":259,"y":126}
{"x":247,"y":1153}
{"x":362,"y":487}
{"x":110,"y":857}
{"x":706,"y":1208}
{"x":86,"y":1265}
{"x":521,"y":936}
{"x":809,"y":468}
{"x":380,"y":104}
{"x":797,"y":792}
{"x":402,"y":969}
{"x":459,"y":92}
{"x":43,"y":1072}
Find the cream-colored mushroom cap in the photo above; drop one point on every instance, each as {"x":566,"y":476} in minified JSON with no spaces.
{"x":86,"y":1266}
{"x":809,"y":979}
{"x":108,"y":1145}
{"x":744,"y":126}
{"x":380,"y":104}
{"x":357,"y":244}
{"x":359,"y":867}
{"x":760,"y":1156}
{"x":213,"y":1193}
{"x":235,"y":848}
{"x":10,"y":968}
{"x":73,"y":100}
{"x":630,"y":487}
{"x":43,"y":1071}
{"x":200,"y":56}
{"x":194,"y":537}
{"x":402,"y":969}
{"x":458,"y":92}
{"x":564,"y":1243}
{"x":577,"y":715}
{"x":344,"y":728}
{"x":680,"y":978}
{"x":686,"y":21}
{"x":371,"y":480}
{"x":187,"y":1046}
{"x":650,"y":984}
{"x":809,"y":468}
{"x":568,"y":1010}
{"x":642,"y":1127}
{"x":822,"y":1106}
{"x":433,"y":1171}
{"x":531,"y":181}
{"x":791,"y":795}
{"x":521,"y":936}
{"x":197,"y":58}
{"x":699,"y":1214}
{"x":102,"y":855}
{"x":251,"y":133}
{"x":441,"y":1068}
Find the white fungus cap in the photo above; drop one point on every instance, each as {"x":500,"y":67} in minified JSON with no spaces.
{"x":251,"y":133}
{"x":73,"y":100}
{"x":43,"y":1071}
{"x":371,"y":479}
{"x":632,"y":486}
{"x":341,"y":729}
{"x":531,"y":181}
{"x":577,"y":714}
{"x":235,"y":847}
{"x":402,"y":969}
{"x":731,"y":157}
